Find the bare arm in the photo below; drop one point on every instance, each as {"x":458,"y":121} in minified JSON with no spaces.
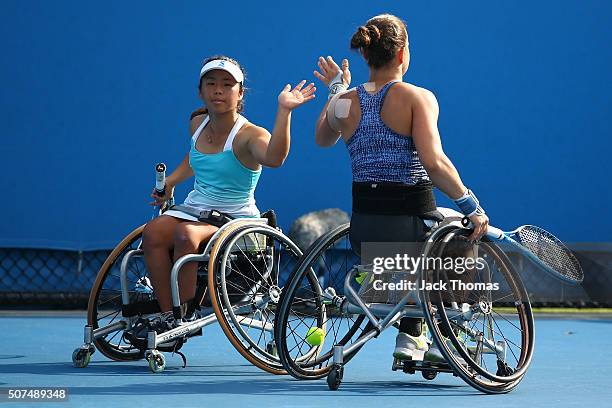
{"x":325,"y":136}
{"x":181,"y":173}
{"x":184,"y":170}
{"x":441,"y":170}
{"x":426,"y":138}
{"x":272,"y":150}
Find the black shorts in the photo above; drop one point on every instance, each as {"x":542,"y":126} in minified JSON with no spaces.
{"x":385,"y":228}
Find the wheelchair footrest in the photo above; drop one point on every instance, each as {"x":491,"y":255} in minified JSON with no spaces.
{"x":411,"y":366}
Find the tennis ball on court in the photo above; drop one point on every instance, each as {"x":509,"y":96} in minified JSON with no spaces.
{"x":315,"y":336}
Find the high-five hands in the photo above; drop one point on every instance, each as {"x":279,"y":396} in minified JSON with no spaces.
{"x":332,"y":73}
{"x":292,"y":98}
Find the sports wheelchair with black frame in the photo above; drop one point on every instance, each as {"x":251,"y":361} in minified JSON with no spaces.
{"x":485,"y":332}
{"x":237,"y":285}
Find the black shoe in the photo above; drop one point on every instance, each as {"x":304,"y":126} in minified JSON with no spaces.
{"x":139,"y":332}
{"x":163,"y":323}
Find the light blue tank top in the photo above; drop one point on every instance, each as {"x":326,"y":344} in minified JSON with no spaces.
{"x":221,"y":181}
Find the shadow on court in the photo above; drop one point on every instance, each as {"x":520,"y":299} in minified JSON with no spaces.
{"x":279,"y":386}
{"x":130,"y":370}
{"x":236,"y":379}
{"x":217,"y":372}
{"x":10,"y":357}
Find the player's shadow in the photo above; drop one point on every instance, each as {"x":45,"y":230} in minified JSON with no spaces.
{"x":237,"y":379}
{"x":128,"y":369}
{"x":281,"y":386}
{"x":10,"y":356}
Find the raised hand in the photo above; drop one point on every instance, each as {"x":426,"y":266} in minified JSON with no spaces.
{"x":292,"y":98}
{"x":329,"y":70}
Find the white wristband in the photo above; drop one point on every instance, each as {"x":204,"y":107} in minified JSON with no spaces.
{"x":337,"y":85}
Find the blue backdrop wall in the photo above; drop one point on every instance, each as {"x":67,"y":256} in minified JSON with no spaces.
{"x":94,"y":94}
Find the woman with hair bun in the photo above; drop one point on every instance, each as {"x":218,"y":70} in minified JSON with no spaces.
{"x":390,"y":130}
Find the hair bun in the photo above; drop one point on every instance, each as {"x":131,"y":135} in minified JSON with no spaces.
{"x":374,"y":33}
{"x":380,"y":39}
{"x":361,"y":39}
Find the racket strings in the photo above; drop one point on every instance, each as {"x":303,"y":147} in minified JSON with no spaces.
{"x":551,"y":252}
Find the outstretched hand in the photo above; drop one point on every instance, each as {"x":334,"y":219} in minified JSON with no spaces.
{"x":292,"y":98}
{"x":329,"y":70}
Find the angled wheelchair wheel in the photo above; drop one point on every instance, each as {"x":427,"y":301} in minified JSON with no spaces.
{"x":482,"y":320}
{"x":104,"y":307}
{"x":246,"y":268}
{"x":308,"y":324}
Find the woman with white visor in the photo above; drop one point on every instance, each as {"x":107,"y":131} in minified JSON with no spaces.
{"x":227,"y":153}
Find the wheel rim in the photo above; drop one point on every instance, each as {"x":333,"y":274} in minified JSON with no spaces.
{"x":253,"y":294}
{"x":105,"y":299}
{"x":489,"y":320}
{"x":325,"y":265}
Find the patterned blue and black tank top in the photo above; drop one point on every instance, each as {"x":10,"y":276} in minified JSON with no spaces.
{"x":377,"y":152}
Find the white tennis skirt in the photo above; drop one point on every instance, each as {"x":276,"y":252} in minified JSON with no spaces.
{"x":247,"y":211}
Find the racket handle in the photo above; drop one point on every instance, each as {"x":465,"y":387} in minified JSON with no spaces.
{"x":492,"y":232}
{"x":160,"y":179}
{"x":495,"y":233}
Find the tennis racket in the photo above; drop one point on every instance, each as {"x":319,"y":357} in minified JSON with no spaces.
{"x":542,"y":247}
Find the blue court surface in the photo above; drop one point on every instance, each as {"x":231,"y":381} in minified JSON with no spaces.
{"x":571,"y":368}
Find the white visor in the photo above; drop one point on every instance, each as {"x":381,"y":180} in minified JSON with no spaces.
{"x":224,"y":65}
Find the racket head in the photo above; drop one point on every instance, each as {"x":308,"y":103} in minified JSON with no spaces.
{"x":554,"y":256}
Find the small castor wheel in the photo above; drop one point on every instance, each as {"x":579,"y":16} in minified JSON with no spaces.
{"x":82,"y":356}
{"x":408,"y":369}
{"x":503,"y":369}
{"x":271,"y":349}
{"x":157,"y":361}
{"x":334,"y":378}
{"x":429,"y":374}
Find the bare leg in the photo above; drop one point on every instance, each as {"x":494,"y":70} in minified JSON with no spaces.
{"x":188,"y":237}
{"x":157,"y":243}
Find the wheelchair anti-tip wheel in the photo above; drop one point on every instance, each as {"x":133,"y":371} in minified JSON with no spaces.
{"x":429,"y":374}
{"x":309,"y":322}
{"x":245,"y":272}
{"x":482,"y":321}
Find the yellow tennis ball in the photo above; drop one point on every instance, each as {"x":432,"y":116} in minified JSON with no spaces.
{"x":315,"y":336}
{"x":360,"y":277}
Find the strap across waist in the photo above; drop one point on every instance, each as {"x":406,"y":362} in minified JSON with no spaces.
{"x":393,"y":198}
